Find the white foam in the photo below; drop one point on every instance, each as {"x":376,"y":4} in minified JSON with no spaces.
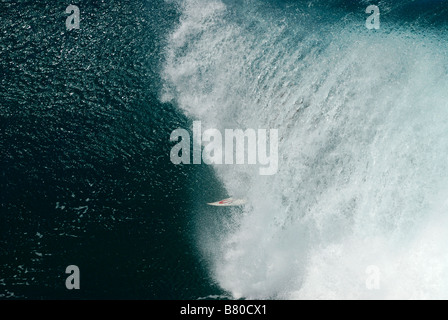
{"x":363,"y":144}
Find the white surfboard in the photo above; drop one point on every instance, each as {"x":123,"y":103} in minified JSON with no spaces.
{"x":229,"y":202}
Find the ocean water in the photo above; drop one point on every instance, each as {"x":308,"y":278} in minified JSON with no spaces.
{"x":86,"y":176}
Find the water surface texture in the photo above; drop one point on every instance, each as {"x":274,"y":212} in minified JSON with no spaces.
{"x":86,"y":177}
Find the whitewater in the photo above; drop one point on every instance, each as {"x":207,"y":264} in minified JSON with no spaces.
{"x":362,"y":117}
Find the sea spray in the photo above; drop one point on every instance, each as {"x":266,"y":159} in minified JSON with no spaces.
{"x":358,"y":206}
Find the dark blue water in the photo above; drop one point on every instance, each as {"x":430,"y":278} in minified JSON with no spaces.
{"x":85,"y":171}
{"x":86,"y":177}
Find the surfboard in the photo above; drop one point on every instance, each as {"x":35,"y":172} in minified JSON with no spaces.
{"x":229,"y":202}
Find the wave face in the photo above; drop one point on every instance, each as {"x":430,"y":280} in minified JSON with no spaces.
{"x":363,"y":142}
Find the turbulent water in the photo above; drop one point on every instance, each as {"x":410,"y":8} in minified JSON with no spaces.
{"x":362,"y":116}
{"x":357,"y":209}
